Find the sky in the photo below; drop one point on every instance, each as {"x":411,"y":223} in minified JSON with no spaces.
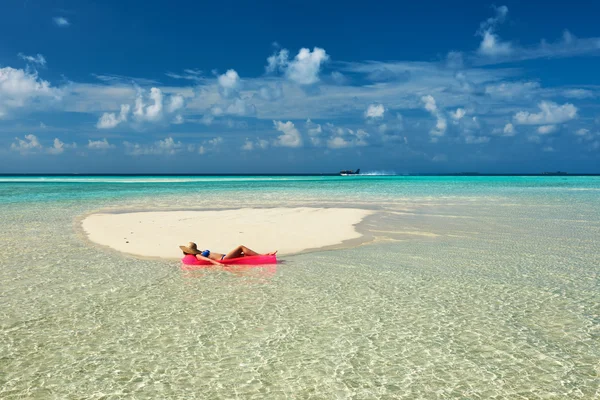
{"x":299,"y":86}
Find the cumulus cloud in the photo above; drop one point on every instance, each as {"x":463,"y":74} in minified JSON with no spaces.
{"x":430,"y":104}
{"x":278,"y":61}
{"x":441,"y":124}
{"x":99,"y":144}
{"x":458,"y":114}
{"x":210,"y":144}
{"x":167,"y":147}
{"x":375,"y":111}
{"x":550,"y":113}
{"x":175,"y":103}
{"x":509,"y":130}
{"x":491,"y":45}
{"x":58,"y":147}
{"x":61,"y":21}
{"x":145,"y":110}
{"x":19,"y":88}
{"x":355,"y":139}
{"x":271,"y":92}
{"x":546,"y":129}
{"x":314,"y":132}
{"x":27,"y":145}
{"x":229,"y":83}
{"x":111,"y":120}
{"x":250,"y":145}
{"x":37,"y":59}
{"x":152,"y":111}
{"x":303,"y":69}
{"x":30,"y":144}
{"x":290,"y":136}
{"x":341,"y":137}
{"x":240,"y":107}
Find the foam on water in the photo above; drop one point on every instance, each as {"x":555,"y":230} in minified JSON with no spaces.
{"x":470,"y":288}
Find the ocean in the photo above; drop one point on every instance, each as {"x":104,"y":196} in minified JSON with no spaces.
{"x":465,"y":287}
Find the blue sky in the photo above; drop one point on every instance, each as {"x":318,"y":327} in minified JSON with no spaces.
{"x":134,"y":87}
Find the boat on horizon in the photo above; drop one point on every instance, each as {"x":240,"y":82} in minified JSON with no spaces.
{"x":349,"y":172}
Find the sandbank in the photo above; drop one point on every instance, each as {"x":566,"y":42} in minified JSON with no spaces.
{"x":288,"y":230}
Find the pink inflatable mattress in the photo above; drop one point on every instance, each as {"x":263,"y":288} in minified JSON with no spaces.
{"x":250,"y":260}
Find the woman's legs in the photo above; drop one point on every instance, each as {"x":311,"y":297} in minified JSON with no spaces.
{"x":242,"y":251}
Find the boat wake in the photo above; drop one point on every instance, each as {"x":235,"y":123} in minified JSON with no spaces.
{"x":379,"y":173}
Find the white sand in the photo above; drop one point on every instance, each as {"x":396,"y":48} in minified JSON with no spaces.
{"x":288,"y":230}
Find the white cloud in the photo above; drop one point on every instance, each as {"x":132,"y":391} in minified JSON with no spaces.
{"x":278,"y":61}
{"x":550,"y":113}
{"x":568,"y":46}
{"x":240,"y":107}
{"x":338,"y":142}
{"x":578,"y":93}
{"x":585,"y":134}
{"x":303,"y":69}
{"x":375,"y":111}
{"x":175,"y":103}
{"x":338,"y":78}
{"x":430,"y":104}
{"x":99,"y":144}
{"x":546,"y":129}
{"x":30,"y":144}
{"x":458,"y":114}
{"x":441,"y":124}
{"x":37,"y":59}
{"x":168,"y":147}
{"x":250,"y":145}
{"x":343,"y":137}
{"x":290,"y":136}
{"x":209,"y":145}
{"x":178,"y":120}
{"x":271,"y":92}
{"x":491,"y":44}
{"x":509,"y":130}
{"x":510,"y":90}
{"x":19,"y":88}
{"x":58,"y":147}
{"x":61,"y":21}
{"x":111,"y":120}
{"x":229,"y":83}
{"x":151,"y":112}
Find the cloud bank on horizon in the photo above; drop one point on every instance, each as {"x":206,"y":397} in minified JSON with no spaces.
{"x":480,"y":108}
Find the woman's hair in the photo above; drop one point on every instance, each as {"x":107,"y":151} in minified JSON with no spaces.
{"x":186,"y":254}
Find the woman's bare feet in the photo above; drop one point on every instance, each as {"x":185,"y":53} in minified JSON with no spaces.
{"x":271,"y":253}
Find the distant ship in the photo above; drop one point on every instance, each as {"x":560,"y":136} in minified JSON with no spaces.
{"x":554,"y":173}
{"x":349,"y":172}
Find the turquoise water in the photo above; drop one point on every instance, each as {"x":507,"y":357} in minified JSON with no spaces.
{"x":468,"y":287}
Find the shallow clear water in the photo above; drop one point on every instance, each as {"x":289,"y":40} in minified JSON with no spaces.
{"x":470,"y":287}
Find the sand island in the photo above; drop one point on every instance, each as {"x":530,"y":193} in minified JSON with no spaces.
{"x":288,"y":230}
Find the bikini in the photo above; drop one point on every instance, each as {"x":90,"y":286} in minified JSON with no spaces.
{"x":206,"y":253}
